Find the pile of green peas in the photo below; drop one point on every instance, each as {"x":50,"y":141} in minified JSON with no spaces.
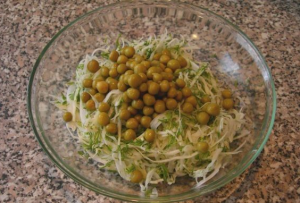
{"x":212,"y":109}
{"x":149,"y":88}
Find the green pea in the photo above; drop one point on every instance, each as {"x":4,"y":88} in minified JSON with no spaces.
{"x":67,"y":117}
{"x":203,"y":118}
{"x":203,"y":147}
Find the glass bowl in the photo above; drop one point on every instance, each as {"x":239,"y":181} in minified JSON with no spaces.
{"x":234,"y":59}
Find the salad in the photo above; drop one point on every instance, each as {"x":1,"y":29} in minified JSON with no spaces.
{"x":146,"y":110}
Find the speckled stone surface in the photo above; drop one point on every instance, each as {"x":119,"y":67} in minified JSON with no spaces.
{"x":28,"y":175}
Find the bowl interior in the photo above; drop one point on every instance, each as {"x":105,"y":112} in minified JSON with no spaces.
{"x":232,"y":57}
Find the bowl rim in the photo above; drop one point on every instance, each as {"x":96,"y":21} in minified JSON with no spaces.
{"x":178,"y":197}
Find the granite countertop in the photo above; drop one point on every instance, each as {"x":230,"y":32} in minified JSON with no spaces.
{"x":28,"y":175}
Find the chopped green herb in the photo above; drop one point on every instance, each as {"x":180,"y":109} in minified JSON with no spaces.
{"x":149,"y":52}
{"x":117,"y":46}
{"x":105,"y":55}
{"x":130,"y":169}
{"x":163,"y":170}
{"x":80,"y":66}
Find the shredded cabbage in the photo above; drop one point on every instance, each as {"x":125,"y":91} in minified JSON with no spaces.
{"x":174,"y":152}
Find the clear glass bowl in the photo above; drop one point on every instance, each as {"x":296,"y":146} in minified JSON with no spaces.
{"x":233,"y":58}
